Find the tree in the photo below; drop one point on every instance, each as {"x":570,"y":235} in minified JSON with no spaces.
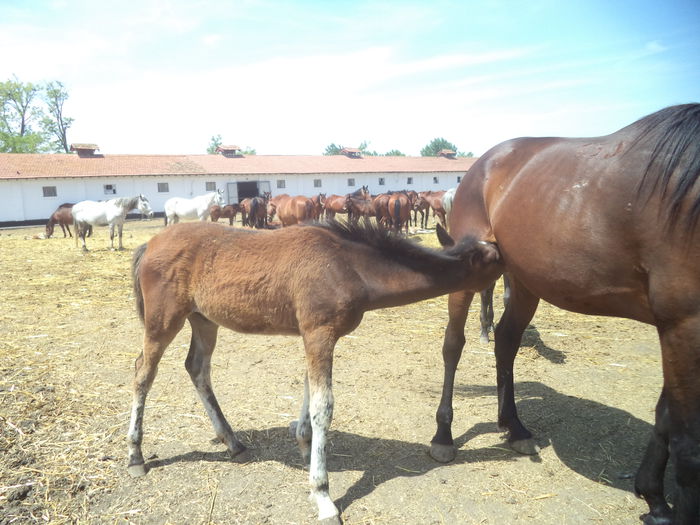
{"x":333,"y":149}
{"x":55,"y":123}
{"x":394,"y":153}
{"x":19,"y":113}
{"x":436,"y":146}
{"x":214,"y":143}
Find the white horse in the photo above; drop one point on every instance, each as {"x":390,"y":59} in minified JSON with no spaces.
{"x":447,"y":199}
{"x":195,"y":208}
{"x":112,"y":212}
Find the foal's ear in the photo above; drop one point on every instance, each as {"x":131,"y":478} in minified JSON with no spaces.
{"x":487,"y":253}
{"x":444,"y":237}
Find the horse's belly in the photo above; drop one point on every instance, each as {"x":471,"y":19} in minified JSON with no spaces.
{"x":256,"y":319}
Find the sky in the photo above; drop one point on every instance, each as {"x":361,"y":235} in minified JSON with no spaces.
{"x":291,"y":77}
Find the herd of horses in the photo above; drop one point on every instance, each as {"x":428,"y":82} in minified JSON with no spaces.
{"x":602,"y":226}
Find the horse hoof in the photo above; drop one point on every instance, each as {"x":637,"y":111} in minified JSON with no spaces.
{"x":442,"y":453}
{"x":137,"y":470}
{"x":527,"y":447}
{"x":333,"y":520}
{"x":484,"y":339}
{"x":650,"y":519}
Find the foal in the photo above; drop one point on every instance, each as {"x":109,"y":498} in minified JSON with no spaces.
{"x":313,"y":280}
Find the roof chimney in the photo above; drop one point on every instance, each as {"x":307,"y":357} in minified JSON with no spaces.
{"x":229,"y":151}
{"x":352,"y":153}
{"x":84,"y":150}
{"x":447,"y":153}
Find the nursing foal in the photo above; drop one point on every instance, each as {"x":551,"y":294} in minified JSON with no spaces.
{"x":313,"y":280}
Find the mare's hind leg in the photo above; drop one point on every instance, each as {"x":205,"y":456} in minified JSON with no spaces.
{"x":198,"y":365}
{"x":146,"y":368}
{"x":486,"y":313}
{"x":442,"y":445}
{"x":509,"y":332}
{"x":301,"y":429}
{"x":649,"y":482}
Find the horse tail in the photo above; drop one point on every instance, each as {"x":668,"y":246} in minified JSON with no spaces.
{"x":397,"y":214}
{"x":75,"y":229}
{"x":135,"y":266}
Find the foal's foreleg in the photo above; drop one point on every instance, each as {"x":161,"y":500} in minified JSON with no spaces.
{"x":442,"y":445}
{"x":198,"y":365}
{"x":319,"y":345}
{"x":302,"y":427}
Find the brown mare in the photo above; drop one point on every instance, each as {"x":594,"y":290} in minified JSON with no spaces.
{"x":273,"y":203}
{"x":381,"y":209}
{"x":334,"y":204}
{"x":604,"y":226}
{"x":229,"y":212}
{"x":359,"y":208}
{"x":434,"y":202}
{"x":244,"y":206}
{"x":399,"y":208}
{"x":64,"y":218}
{"x":310,"y":287}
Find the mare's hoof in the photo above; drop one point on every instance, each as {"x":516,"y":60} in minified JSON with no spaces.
{"x":240,"y":454}
{"x":527,"y":447}
{"x":484,"y":339}
{"x":442,"y":453}
{"x":650,"y":519}
{"x":333,"y":520}
{"x":137,"y":470}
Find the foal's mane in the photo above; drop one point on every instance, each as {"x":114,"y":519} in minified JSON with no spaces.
{"x":396,"y":248}
{"x":673,"y":135}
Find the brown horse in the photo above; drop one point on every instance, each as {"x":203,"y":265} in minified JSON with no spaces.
{"x":605,"y":226}
{"x":294,"y":210}
{"x":381,"y":209}
{"x":334,"y":204}
{"x":434,"y":201}
{"x":229,"y":212}
{"x":257,"y":218}
{"x":303,"y":282}
{"x":63,"y":217}
{"x":399,"y":207}
{"x":358,"y":208}
{"x":244,"y":206}
{"x":318,"y":202}
{"x":273,"y":203}
{"x":421,"y":206}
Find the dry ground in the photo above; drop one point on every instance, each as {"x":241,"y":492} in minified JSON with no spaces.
{"x":586,"y":386}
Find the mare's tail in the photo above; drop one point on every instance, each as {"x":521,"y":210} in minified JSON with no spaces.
{"x":135,"y":264}
{"x":397,"y":215}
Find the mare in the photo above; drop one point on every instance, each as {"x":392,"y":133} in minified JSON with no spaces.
{"x":197,"y":207}
{"x":63,"y":217}
{"x":227,"y":212}
{"x":294,"y":210}
{"x":399,"y":207}
{"x":257,"y":218}
{"x":381,"y":209}
{"x":413,"y":198}
{"x":318,"y":201}
{"x":335,"y":204}
{"x":112,"y":212}
{"x":421,"y":206}
{"x":273,"y":203}
{"x":299,"y":280}
{"x":434,"y":201}
{"x":604,"y":226}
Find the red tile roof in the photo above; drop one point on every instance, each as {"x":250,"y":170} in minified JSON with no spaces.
{"x":33,"y":166}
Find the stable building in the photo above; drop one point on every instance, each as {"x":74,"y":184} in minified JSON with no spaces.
{"x":32,"y":186}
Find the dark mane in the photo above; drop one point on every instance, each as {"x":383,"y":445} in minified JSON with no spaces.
{"x":396,"y":248}
{"x":673,"y":136}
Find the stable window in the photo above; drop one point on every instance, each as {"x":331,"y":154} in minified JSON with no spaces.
{"x":49,"y":191}
{"x":163,"y":187}
{"x":110,"y":189}
{"x":317,"y":183}
{"x":459,"y":179}
{"x":409,"y":180}
{"x":351,"y":182}
{"x":209,"y":186}
{"x":381,"y":181}
{"x":281,"y":183}
{"x":436,"y":180}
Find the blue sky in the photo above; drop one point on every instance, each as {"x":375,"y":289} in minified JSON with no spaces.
{"x":291,"y":77}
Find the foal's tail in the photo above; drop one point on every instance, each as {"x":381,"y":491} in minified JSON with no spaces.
{"x":135,"y":264}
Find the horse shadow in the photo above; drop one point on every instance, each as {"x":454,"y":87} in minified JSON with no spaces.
{"x":594,"y":440}
{"x":532,"y":338}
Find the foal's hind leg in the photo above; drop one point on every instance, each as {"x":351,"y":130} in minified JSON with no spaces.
{"x":198,"y":365}
{"x":301,"y":429}
{"x":649,"y":482}
{"x":146,"y":368}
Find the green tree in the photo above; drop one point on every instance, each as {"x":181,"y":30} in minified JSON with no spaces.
{"x":435,"y":146}
{"x":19,"y":114}
{"x":55,"y":123}
{"x":394,"y":153}
{"x":335,"y":149}
{"x":214,"y":143}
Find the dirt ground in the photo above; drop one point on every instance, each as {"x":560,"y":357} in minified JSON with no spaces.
{"x":586,"y":386}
